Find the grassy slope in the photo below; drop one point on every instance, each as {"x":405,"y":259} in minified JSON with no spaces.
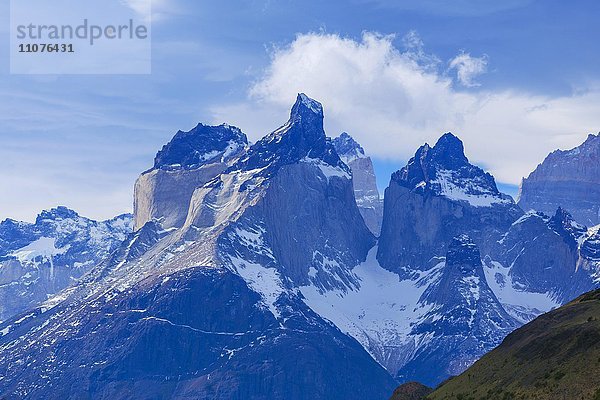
{"x":555,"y":357}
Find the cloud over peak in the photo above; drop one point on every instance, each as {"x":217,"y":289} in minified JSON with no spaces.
{"x":393,"y":100}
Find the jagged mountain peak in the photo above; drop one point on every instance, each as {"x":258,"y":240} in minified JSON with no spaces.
{"x":462,"y":275}
{"x":593,"y":139}
{"x":56,"y":213}
{"x":301,"y":138}
{"x":201,"y":145}
{"x":591,"y":144}
{"x":449,"y":152}
{"x":444,"y":170}
{"x":305,"y":106}
{"x":464,"y":317}
{"x":348,"y":148}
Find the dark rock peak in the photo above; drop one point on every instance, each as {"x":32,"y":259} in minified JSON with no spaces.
{"x":462,"y":272}
{"x":10,"y":223}
{"x":449,"y":152}
{"x":563,"y":223}
{"x":57,"y":213}
{"x":345,"y":145}
{"x":592,"y":139}
{"x":463,"y":302}
{"x":301,"y":137}
{"x":199,"y":146}
{"x":444,"y":167}
{"x":306,"y":109}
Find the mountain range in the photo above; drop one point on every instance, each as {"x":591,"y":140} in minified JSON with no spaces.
{"x":274,"y":270}
{"x":38,"y":260}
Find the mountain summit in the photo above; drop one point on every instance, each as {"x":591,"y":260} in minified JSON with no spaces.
{"x":302,"y":137}
{"x":569,"y":179}
{"x":439,"y":195}
{"x":444,"y":170}
{"x":252,"y":274}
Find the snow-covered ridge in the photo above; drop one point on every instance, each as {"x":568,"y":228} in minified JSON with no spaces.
{"x":44,"y":247}
{"x":451,"y":185}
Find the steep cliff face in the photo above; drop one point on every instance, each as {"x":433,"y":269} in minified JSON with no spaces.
{"x":293,"y":190}
{"x":40,"y":259}
{"x":363,"y":180}
{"x":187,"y":162}
{"x":568,"y":179}
{"x":436,"y":197}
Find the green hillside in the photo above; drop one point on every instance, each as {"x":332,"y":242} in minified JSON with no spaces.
{"x":555,"y":357}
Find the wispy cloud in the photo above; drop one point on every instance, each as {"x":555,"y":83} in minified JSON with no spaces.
{"x":468,"y":68}
{"x":392,"y":102}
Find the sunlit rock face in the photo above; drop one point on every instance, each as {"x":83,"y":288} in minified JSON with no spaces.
{"x":187,"y":162}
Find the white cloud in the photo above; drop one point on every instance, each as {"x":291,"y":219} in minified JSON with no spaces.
{"x":392,"y":103}
{"x":468,"y":68}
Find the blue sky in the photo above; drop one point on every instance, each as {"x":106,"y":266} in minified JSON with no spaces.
{"x":515,"y":80}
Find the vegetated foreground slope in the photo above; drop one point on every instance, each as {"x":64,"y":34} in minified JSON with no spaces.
{"x":556,"y":356}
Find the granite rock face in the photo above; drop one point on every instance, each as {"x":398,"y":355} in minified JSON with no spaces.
{"x":436,"y":197}
{"x":523,"y":264}
{"x":568,"y":179}
{"x":363,"y":180}
{"x":187,"y":162}
{"x":39,"y":260}
{"x":302,"y":201}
